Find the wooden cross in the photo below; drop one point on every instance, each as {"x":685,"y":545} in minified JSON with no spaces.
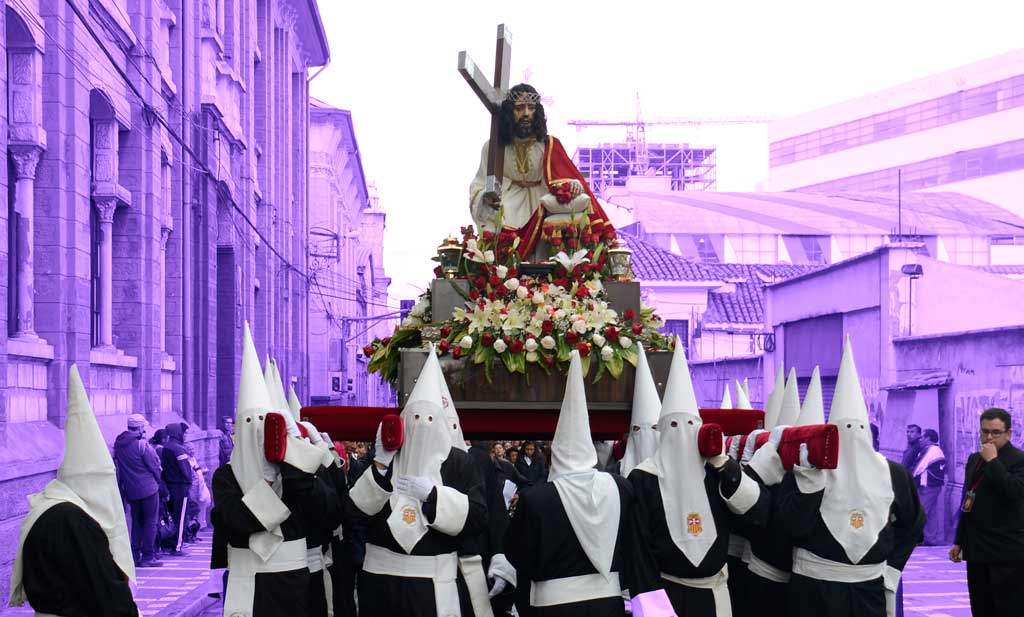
{"x":491,"y":97}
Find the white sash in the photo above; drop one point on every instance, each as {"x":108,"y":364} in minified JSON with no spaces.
{"x":806,"y":563}
{"x":244,"y":565}
{"x":717,"y":583}
{"x":472,"y":568}
{"x":439,"y":568}
{"x":573,"y":589}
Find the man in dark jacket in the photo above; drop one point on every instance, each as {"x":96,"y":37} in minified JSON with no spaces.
{"x":531,"y":464}
{"x":138,"y":476}
{"x":227,"y":429}
{"x":177,"y":474}
{"x":990,"y":534}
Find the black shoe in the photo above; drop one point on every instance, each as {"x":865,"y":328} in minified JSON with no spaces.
{"x":151,"y":563}
{"x":178,"y":554}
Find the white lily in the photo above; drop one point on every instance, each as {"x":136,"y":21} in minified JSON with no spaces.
{"x":569,"y":263}
{"x":473,"y":253}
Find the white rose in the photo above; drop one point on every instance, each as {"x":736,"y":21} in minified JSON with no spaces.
{"x":625,"y":342}
{"x":580,"y":326}
{"x":599,"y":340}
{"x":531,"y":344}
{"x":531,"y":356}
{"x":547,"y":342}
{"x":500,"y":346}
{"x":512,"y":284}
{"x":606,"y":353}
{"x":538,"y":297}
{"x":502,"y":272}
{"x":560,"y":314}
{"x":412,"y":322}
{"x":466,"y":342}
{"x":522,"y":292}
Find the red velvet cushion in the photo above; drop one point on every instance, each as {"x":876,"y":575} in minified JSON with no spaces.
{"x":734,"y":421}
{"x":392,"y":432}
{"x":709,"y":440}
{"x":303,"y":431}
{"x":822,"y":445}
{"x":275,"y":437}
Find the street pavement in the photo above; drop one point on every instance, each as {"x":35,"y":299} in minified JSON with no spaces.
{"x":932,"y":586}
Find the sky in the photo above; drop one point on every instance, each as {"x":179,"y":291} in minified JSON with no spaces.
{"x":420,"y":128}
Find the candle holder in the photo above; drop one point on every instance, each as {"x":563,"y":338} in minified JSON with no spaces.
{"x":450,"y":253}
{"x":620,"y":258}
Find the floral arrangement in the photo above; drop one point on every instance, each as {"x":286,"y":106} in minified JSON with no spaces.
{"x":522,"y":320}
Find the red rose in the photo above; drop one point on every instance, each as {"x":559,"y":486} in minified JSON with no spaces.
{"x":480,"y":282}
{"x":547,"y":326}
{"x":445,"y":331}
{"x":457,"y":352}
{"x":495,"y":281}
{"x":549,"y":360}
{"x":629,"y":315}
{"x":530,"y":335}
{"x":507,"y":339}
{"x":611,"y":333}
{"x":638,"y":328}
{"x":584,"y":349}
{"x":488,"y":236}
{"x":609,"y":234}
{"x":385,"y":341}
{"x":562,"y":282}
{"x":582,"y":292}
{"x":492,"y":296}
{"x":516,"y":346}
{"x":368,"y":351}
{"x":513,"y":273}
{"x":548,"y":230}
{"x":487,"y":339}
{"x":473,"y":294}
{"x":571,"y":337}
{"x":556,"y":242}
{"x":573,"y":243}
{"x":444,"y":346}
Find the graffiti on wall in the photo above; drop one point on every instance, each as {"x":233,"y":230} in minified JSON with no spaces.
{"x":971,"y":401}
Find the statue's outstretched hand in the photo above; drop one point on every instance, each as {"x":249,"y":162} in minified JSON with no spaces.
{"x":492,"y":200}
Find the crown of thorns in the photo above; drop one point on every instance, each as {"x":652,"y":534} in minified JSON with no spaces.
{"x":522,"y":96}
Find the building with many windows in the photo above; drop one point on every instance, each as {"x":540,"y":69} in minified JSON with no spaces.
{"x":157,"y":194}
{"x":959,"y":131}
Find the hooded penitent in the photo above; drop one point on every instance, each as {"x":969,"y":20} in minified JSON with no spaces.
{"x":858,"y":493}
{"x":293,"y":403}
{"x":680,"y":467}
{"x":813,"y":409}
{"x":789,"y":406}
{"x":774,"y":403}
{"x":590,"y":497}
{"x":643,"y":433}
{"x":278,"y":402}
{"x":742,"y":400}
{"x":726,"y":399}
{"x":86,"y":478}
{"x":428,"y":442}
{"x":448,"y":404}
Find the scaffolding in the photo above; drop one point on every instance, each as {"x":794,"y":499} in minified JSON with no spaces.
{"x":611,"y":164}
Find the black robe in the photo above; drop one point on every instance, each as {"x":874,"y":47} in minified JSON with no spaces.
{"x":342,"y":568}
{"x":386,"y":596}
{"x":761,"y":596}
{"x":542,"y":546}
{"x":278,"y":594}
{"x":658,"y":553}
{"x":800,"y":516}
{"x":68,"y":568}
{"x":320,"y":530}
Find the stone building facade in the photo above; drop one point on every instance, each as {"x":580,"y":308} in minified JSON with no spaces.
{"x":348,"y":302}
{"x":157,"y":198}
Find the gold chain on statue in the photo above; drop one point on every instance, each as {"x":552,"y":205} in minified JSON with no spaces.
{"x":522,"y":152}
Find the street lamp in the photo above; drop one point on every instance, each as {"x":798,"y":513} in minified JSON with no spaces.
{"x":914,"y":271}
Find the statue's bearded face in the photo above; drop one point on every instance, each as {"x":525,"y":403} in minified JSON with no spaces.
{"x":522,"y":114}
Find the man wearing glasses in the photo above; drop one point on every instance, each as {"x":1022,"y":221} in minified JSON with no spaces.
{"x":990,"y":534}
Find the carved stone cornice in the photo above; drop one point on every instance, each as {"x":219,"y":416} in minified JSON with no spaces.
{"x":105,"y":208}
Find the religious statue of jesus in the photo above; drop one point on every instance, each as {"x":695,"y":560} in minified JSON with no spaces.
{"x":540,"y":184}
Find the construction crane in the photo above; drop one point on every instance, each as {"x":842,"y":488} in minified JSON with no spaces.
{"x":691,"y":170}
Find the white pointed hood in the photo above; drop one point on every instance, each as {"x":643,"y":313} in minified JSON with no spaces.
{"x":680,"y":467}
{"x":774,"y":404}
{"x":293,"y":403}
{"x":428,"y":442}
{"x":277,"y":402}
{"x":746,"y":387}
{"x":590,"y":497}
{"x":86,"y":478}
{"x":643,"y":433}
{"x":726,"y":398}
{"x":742,"y":398}
{"x":448,"y":404}
{"x":813,"y":409}
{"x":789,"y":408}
{"x":858,"y":493}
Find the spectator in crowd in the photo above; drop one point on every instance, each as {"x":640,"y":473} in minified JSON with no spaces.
{"x":929,"y":476}
{"x":874,"y":437}
{"x":225,"y":440}
{"x":512,"y":454}
{"x":990,"y":533}
{"x":497,"y":450}
{"x":199,"y":499}
{"x":531,"y":464}
{"x":138,"y":477}
{"x":158,"y":440}
{"x":914,"y":444}
{"x":177,"y":474}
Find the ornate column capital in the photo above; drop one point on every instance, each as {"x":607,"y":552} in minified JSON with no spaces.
{"x":26,"y":158}
{"x":105,"y":207}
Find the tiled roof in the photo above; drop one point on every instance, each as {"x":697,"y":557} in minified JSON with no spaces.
{"x":745,"y":305}
{"x":1002,"y":269}
{"x":651,"y":263}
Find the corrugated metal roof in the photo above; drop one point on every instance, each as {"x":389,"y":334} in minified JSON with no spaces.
{"x":800,"y":213}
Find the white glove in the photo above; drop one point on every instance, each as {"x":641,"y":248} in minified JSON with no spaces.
{"x":418,"y":487}
{"x":270,"y":471}
{"x":804,"y":460}
{"x":327,"y":439}
{"x":314,"y":435}
{"x":734,"y":448}
{"x":382,"y":456}
{"x":498,"y":587}
{"x":719,"y":461}
{"x":290,"y":425}
{"x":748,"y":448}
{"x":775,"y":438}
